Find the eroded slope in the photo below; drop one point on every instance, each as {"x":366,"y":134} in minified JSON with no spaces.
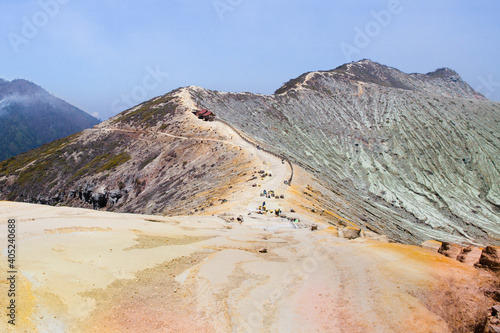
{"x":412,"y":156}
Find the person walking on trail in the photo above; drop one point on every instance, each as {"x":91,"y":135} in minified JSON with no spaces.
{"x":264,"y":204}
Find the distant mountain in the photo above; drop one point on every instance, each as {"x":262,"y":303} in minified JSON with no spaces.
{"x":30,"y":117}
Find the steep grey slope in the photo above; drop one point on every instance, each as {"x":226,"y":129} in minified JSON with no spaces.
{"x":412,"y":156}
{"x":30,"y":117}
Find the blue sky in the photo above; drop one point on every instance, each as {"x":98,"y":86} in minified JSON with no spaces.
{"x":105,"y":56}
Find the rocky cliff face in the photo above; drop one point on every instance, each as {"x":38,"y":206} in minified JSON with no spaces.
{"x":30,"y":117}
{"x":412,"y":156}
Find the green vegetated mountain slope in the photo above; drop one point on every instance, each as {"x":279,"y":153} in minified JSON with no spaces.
{"x":154,"y":158}
{"x":30,"y":117}
{"x":412,"y":156}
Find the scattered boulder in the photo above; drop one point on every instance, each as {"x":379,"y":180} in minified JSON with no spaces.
{"x":99,"y":200}
{"x":432,"y":245}
{"x":450,"y":250}
{"x":314,"y":227}
{"x":263,"y":250}
{"x":114,"y":196}
{"x":85,"y":194}
{"x":490,"y":257}
{"x":493,"y":322}
{"x":470,"y":255}
{"x":351,"y":232}
{"x":374,"y":236}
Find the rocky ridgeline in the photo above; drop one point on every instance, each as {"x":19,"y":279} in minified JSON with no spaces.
{"x":412,"y":156}
{"x":442,"y":82}
{"x":488,"y":257}
{"x":89,"y":194}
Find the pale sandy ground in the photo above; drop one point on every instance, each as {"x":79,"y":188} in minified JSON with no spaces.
{"x":90,"y":271}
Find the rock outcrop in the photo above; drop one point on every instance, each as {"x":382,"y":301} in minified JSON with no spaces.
{"x":450,"y":250}
{"x":470,"y":255}
{"x":350,"y":232}
{"x":432,"y":245}
{"x":490,"y":257}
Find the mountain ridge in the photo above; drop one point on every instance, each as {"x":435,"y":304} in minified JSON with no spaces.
{"x":367,"y":71}
{"x":413,"y":166}
{"x":319,"y":265}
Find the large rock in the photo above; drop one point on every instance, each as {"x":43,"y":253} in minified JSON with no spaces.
{"x":470,"y":255}
{"x":375,"y":236}
{"x":495,"y":310}
{"x":432,"y":245}
{"x":114,"y":196}
{"x":351,"y":232}
{"x":490,"y":257}
{"x":450,"y":250}
{"x":99,"y":200}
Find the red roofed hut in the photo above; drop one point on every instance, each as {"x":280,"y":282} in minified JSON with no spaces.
{"x":200,"y":112}
{"x":205,"y":115}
